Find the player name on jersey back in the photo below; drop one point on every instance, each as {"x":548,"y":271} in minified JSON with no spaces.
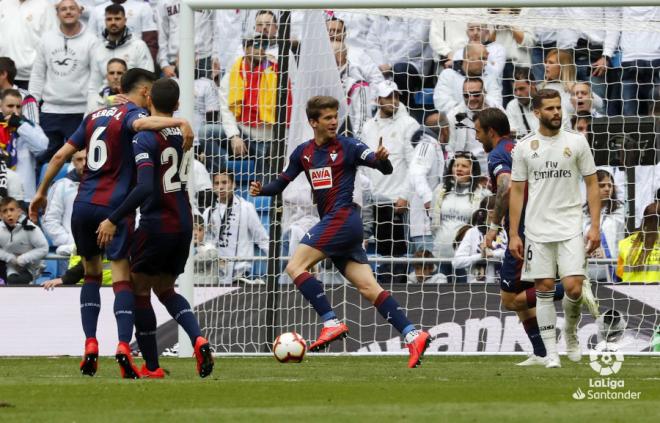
{"x":112,"y":111}
{"x":170,"y":131}
{"x":321,"y":177}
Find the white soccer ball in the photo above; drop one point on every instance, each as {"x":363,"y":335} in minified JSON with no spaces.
{"x":289,"y":347}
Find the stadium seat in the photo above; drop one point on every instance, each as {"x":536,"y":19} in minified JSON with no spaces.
{"x":61,"y":174}
{"x":425,"y":96}
{"x":50,"y":272}
{"x":243,"y":170}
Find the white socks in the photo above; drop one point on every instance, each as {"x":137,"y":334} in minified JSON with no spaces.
{"x":546,"y":316}
{"x":410,"y":336}
{"x":571,"y":312}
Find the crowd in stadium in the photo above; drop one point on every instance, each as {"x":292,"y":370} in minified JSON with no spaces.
{"x":412,"y":84}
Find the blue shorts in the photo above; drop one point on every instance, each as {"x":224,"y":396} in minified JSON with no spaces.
{"x":155,"y":253}
{"x":85,"y":220}
{"x":339,"y":236}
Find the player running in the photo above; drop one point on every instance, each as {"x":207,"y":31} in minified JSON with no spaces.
{"x":330,"y":163}
{"x":161,"y":243}
{"x":107,"y":179}
{"x":551,"y":162}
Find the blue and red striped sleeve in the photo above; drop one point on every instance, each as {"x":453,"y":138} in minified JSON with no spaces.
{"x":77,"y":139}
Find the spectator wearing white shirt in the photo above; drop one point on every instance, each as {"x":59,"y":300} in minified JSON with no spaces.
{"x":447,"y":36}
{"x":118,"y":42}
{"x":640,"y":62}
{"x":546,"y":38}
{"x":10,"y":182}
{"x":593,"y":48}
{"x":339,"y":32}
{"x":399,"y":47}
{"x":462,"y":136}
{"x":480,"y":34}
{"x":107,"y":96}
{"x":426,"y":172}
{"x":22,"y":244}
{"x":228,"y":40}
{"x":425,"y":273}
{"x":167,"y":20}
{"x":27,"y":138}
{"x":454,"y":201}
{"x":356,"y":91}
{"x":234,"y":225}
{"x":60,"y":76}
{"x":29,"y":105}
{"x":140,"y":20}
{"x":582,"y":100}
{"x":394,"y":128}
{"x":519,"y":110}
{"x":22,"y":23}
{"x":612,"y":227}
{"x":448,"y":92}
{"x":480,"y":261}
{"x":56,"y":221}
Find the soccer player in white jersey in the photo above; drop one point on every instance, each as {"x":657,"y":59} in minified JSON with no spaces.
{"x":551,"y":161}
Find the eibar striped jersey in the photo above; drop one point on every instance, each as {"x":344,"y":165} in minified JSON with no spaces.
{"x":107,"y":135}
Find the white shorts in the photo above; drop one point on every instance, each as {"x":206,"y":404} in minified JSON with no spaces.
{"x":544,"y":260}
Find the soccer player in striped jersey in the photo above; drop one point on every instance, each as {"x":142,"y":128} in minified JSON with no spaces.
{"x":161,"y":243}
{"x":330,"y":162}
{"x":551,"y":162}
{"x":107,"y":178}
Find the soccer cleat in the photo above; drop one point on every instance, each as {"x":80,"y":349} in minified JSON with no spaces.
{"x":145,"y":373}
{"x":124,"y":357}
{"x":329,"y":335}
{"x":533,"y":360}
{"x":553,"y":361}
{"x":573,"y":351}
{"x":89,"y":363}
{"x":588,"y":298}
{"x":417,"y":348}
{"x":204,"y":357}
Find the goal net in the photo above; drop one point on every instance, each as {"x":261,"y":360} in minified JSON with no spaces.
{"x":423,"y":225}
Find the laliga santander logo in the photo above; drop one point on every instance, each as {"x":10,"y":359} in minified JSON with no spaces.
{"x":605,"y":359}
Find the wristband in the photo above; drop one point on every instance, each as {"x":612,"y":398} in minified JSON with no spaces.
{"x":494,"y":227}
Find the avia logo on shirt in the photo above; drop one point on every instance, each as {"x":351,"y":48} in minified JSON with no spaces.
{"x":321,"y":178}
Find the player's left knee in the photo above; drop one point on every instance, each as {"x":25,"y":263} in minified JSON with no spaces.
{"x":573,"y":287}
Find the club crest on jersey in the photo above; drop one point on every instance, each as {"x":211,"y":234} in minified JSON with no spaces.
{"x":567,"y":152}
{"x":535,"y":144}
{"x":333,"y":156}
{"x":321,"y":178}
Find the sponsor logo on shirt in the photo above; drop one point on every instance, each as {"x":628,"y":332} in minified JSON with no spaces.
{"x":365,"y":153}
{"x":141,"y":156}
{"x":321,"y":178}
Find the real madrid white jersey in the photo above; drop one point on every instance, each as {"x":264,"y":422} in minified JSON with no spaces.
{"x":553,"y":168}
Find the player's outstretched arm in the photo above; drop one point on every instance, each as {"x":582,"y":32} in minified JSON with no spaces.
{"x":39,"y":200}
{"x":157,"y":123}
{"x":516,"y":198}
{"x":593,"y":200}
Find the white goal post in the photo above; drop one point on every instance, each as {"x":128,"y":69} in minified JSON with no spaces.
{"x":186,"y":65}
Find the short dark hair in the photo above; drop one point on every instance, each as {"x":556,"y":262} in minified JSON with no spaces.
{"x":117,"y":60}
{"x":227,"y":172}
{"x":544,"y":94}
{"x":133,"y":77}
{"x":165,"y":95}
{"x":10,"y":92}
{"x":319,"y":102}
{"x":474,"y":79}
{"x":115,"y":9}
{"x":7,"y":65}
{"x":266,"y":12}
{"x":495,"y":119}
{"x":7,"y":201}
{"x":523,"y":73}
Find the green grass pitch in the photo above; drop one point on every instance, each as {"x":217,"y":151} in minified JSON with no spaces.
{"x":336,"y":389}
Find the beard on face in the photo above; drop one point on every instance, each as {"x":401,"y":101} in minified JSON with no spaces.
{"x":550,"y":123}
